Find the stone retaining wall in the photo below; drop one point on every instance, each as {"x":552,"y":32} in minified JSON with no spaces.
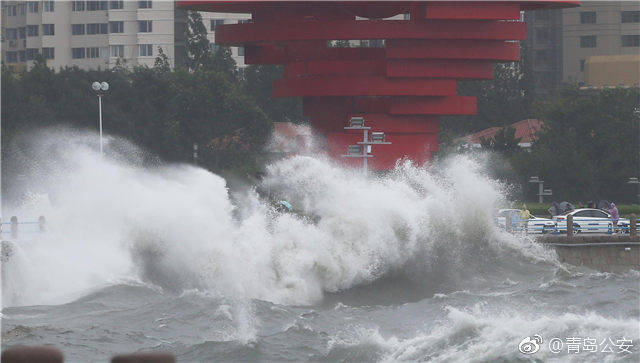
{"x":603,"y":253}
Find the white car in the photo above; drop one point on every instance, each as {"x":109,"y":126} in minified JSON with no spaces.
{"x":589,"y":220}
{"x":534,"y":224}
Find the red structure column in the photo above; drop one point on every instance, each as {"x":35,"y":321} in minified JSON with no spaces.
{"x":401,"y":87}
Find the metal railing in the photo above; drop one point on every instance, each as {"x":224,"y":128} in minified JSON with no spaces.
{"x":570,"y":225}
{"x":15,"y":229}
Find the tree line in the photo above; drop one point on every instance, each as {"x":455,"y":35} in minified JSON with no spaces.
{"x":586,"y":150}
{"x":227,"y":113}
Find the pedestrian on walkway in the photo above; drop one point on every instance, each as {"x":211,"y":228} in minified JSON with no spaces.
{"x":615,"y":216}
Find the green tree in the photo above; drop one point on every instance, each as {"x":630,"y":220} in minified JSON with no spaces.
{"x":197,"y":43}
{"x":222,"y":61}
{"x":258,"y":81}
{"x":587,"y":148}
{"x":165,"y":112}
{"x":162,"y":62}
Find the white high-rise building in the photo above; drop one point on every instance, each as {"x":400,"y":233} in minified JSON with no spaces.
{"x":99,"y":34}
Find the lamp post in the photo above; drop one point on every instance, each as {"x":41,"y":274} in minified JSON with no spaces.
{"x":541,"y":191}
{"x":363,"y":148}
{"x":636,"y":113}
{"x":101,"y":89}
{"x":195,"y":153}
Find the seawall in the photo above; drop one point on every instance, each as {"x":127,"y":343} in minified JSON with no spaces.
{"x":603,"y":253}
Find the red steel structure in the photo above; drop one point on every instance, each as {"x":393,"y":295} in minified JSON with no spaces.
{"x":400,"y":88}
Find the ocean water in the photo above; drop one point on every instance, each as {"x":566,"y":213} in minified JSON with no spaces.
{"x":403,"y":267}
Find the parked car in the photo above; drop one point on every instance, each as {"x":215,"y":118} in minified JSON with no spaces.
{"x":589,"y":220}
{"x":534,"y":224}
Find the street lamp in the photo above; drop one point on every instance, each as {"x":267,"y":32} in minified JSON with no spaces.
{"x":195,"y":153}
{"x":101,"y":89}
{"x":636,"y":113}
{"x":541,"y":191}
{"x":363,"y":149}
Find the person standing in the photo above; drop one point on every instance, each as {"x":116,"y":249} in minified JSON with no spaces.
{"x":615,"y":216}
{"x":525,"y":215}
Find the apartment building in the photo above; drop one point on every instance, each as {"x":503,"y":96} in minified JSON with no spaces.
{"x":99,"y":34}
{"x":596,"y":44}
{"x":596,"y":29}
{"x":543,"y":49}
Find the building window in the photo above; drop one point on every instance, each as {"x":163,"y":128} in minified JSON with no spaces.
{"x":77,"y":29}
{"x":93,"y":52}
{"x":12,"y":10}
{"x":145,"y":26}
{"x":116,"y":26}
{"x":145,"y":50}
{"x":588,"y":41}
{"x":31,"y":53}
{"x":630,"y":16}
{"x":48,"y":29}
{"x":581,"y":65}
{"x":22,"y":55}
{"x":77,"y":5}
{"x":12,"y":57}
{"x":11,"y":33}
{"x":631,"y":40}
{"x":240,"y":51}
{"x":48,"y":7}
{"x":145,"y":4}
{"x":96,"y":5}
{"x":22,"y":32}
{"x":98,"y":28}
{"x":77,"y":53}
{"x":116,"y":4}
{"x":22,"y":8}
{"x":216,"y":22}
{"x":587,"y":17}
{"x":48,"y":53}
{"x":33,"y":6}
{"x":32,"y":30}
{"x":117,"y":50}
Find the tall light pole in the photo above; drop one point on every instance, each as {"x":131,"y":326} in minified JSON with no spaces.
{"x":541,"y":191}
{"x":101,"y":89}
{"x":363,"y":149}
{"x":636,"y":113}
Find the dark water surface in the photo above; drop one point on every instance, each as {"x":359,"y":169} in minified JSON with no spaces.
{"x":396,"y":318}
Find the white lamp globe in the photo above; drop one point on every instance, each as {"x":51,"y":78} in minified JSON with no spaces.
{"x":104,"y":86}
{"x":95,"y":86}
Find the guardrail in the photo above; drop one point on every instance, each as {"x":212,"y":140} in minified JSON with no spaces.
{"x":571,"y":227}
{"x":15,"y":227}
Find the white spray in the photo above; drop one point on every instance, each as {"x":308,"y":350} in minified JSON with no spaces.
{"x":113,"y":221}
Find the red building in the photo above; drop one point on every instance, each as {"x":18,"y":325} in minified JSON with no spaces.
{"x":401,"y":88}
